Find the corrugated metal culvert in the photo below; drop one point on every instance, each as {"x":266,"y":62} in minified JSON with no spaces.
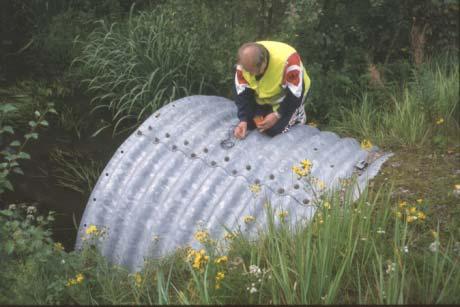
{"x":182,"y":171}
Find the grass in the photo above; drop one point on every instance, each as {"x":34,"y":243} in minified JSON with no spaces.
{"x":351,"y":252}
{"x":425,"y":110}
{"x":75,"y":171}
{"x":137,"y":66}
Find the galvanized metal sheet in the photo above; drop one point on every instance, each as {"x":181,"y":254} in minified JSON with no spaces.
{"x":178,"y":172}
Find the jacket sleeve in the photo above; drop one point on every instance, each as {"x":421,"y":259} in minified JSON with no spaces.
{"x":293,"y":84}
{"x":244,"y":97}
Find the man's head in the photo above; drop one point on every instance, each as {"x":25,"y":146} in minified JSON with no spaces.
{"x":253,"y":57}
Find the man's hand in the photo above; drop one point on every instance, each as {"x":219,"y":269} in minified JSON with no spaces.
{"x":240,"y":130}
{"x":268,"y":122}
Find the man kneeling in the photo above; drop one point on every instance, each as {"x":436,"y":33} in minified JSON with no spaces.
{"x":271,"y":85}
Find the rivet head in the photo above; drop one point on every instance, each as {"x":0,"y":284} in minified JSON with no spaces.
{"x":213,"y":163}
{"x":156,"y":140}
{"x":205,"y":150}
{"x":280,"y":190}
{"x":94,"y":199}
{"x":315,"y":149}
{"x":174,"y":147}
{"x":248,"y":167}
{"x":185,"y":142}
{"x":157,"y":115}
{"x":296,"y":186}
{"x":150,"y":127}
{"x":234,"y":172}
{"x":106,"y":174}
{"x":272,"y":176}
{"x":332,"y":165}
{"x":193,"y":155}
{"x":139,"y":132}
{"x":122,"y":151}
{"x":226,"y":159}
{"x":167,"y":135}
{"x":306,"y":201}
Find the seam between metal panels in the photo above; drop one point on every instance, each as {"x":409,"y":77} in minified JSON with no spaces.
{"x":158,"y":141}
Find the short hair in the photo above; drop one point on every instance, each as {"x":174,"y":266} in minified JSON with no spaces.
{"x":261,"y":55}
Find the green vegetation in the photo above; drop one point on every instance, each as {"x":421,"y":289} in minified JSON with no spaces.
{"x":382,"y":71}
{"x":423,"y":111}
{"x":139,"y":66}
{"x":368,"y":251}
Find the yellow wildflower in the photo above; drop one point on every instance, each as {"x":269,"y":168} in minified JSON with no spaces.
{"x":79,"y":278}
{"x":299,"y":171}
{"x":221,"y":260}
{"x":306,"y":164}
{"x":202,"y":236}
{"x":229,"y":236}
{"x":255,"y":188}
{"x":440,"y":121}
{"x":138,"y":279}
{"x":313,"y":124}
{"x":412,"y":210}
{"x":421,"y":215}
{"x":321,"y":221}
{"x":327,"y":205}
{"x":249,"y":219}
{"x":198,"y":258}
{"x":398,"y":214}
{"x":366,"y":144}
{"x":420,"y":200}
{"x":92,"y":229}
{"x":58,"y":246}
{"x":411,"y":218}
{"x":220,"y":276}
{"x":457,"y":187}
{"x":283,"y":214}
{"x":75,"y":281}
{"x":434,"y":234}
{"x":402,"y":204}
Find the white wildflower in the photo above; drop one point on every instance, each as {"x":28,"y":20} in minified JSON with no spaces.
{"x":391,"y":267}
{"x":31,"y":210}
{"x":12,"y":207}
{"x":434,"y":246}
{"x":380,"y":231}
{"x":253,"y":290}
{"x":406,"y":249}
{"x":254,"y":270}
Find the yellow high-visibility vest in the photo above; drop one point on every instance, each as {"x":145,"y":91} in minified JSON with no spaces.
{"x":269,"y":88}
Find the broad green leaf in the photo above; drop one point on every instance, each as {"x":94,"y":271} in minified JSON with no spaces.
{"x":9,"y":246}
{"x":15,"y":143}
{"x":8,"y":129}
{"x":17,"y":170}
{"x":37,"y":114}
{"x":5,"y":108}
{"x":23,"y":155}
{"x":44,"y":123}
{"x":32,"y":124}
{"x":8,"y":185}
{"x":32,"y":135}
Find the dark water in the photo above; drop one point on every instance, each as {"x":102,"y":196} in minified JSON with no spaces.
{"x":39,"y":186}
